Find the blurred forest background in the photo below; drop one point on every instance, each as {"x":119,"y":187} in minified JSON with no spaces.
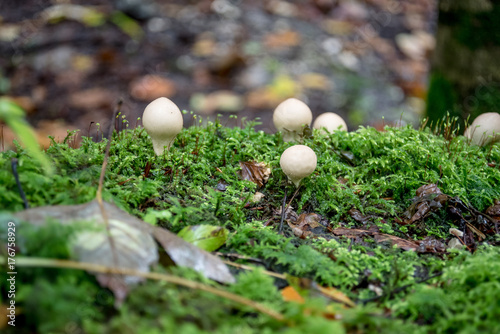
{"x":67,"y":62}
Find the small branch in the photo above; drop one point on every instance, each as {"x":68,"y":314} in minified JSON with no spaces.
{"x":13,"y":163}
{"x":294,"y":194}
{"x":101,"y":182}
{"x":243,"y":266}
{"x":55,"y":263}
{"x":402,"y":288}
{"x":283,"y":212}
{"x":106,"y":153}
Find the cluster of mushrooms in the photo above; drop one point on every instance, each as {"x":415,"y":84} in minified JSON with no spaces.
{"x":291,"y":117}
{"x":163,"y":120}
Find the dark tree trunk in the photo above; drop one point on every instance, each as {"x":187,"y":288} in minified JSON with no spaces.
{"x":465,"y":67}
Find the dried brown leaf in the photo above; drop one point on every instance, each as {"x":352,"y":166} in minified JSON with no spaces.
{"x":401,"y":243}
{"x":494,"y":210}
{"x":257,"y":172}
{"x":358,"y":216}
{"x":431,"y":245}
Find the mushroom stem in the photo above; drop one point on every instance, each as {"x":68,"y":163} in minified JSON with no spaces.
{"x":162,"y":145}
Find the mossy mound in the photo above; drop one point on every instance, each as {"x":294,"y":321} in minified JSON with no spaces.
{"x":368,"y":174}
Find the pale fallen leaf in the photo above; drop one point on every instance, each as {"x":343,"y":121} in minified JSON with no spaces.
{"x":221,"y":100}
{"x":129,"y":243}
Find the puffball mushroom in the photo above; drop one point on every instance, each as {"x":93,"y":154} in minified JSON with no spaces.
{"x":485,"y":129}
{"x":162,"y":120}
{"x":290,"y":117}
{"x":330,"y":122}
{"x":298,"y":162}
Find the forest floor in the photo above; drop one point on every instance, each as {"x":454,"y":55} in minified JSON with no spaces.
{"x":67,"y":64}
{"x":395,"y":231}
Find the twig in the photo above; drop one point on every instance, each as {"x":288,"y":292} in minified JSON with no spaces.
{"x":106,"y":153}
{"x":101,"y":182}
{"x":13,"y":163}
{"x":402,"y":288}
{"x":294,"y":194}
{"x":283,"y":212}
{"x":243,"y":266}
{"x":55,"y":263}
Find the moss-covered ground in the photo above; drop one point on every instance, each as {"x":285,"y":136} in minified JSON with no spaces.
{"x":365,"y":180}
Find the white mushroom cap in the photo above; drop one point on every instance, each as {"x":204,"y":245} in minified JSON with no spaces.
{"x":330,"y":122}
{"x":290,"y":117}
{"x":485,"y":129}
{"x":298,"y":162}
{"x":162,"y":120}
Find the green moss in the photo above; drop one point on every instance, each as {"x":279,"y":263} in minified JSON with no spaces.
{"x":374,"y":172}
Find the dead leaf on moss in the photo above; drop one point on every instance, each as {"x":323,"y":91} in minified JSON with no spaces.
{"x":127,"y":242}
{"x":358,"y":216}
{"x":431,"y":245}
{"x":306,"y":225}
{"x":429,"y":199}
{"x":257,"y":172}
{"x":351,"y":232}
{"x":494,"y":210}
{"x":379,"y":237}
{"x":399,"y":242}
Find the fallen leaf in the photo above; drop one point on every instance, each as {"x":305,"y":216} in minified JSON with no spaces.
{"x":91,"y":99}
{"x":221,"y":100}
{"x":289,"y":294}
{"x":428,"y":189}
{"x":262,"y":98}
{"x":401,"y":243}
{"x":123,"y":246}
{"x":205,"y":45}
{"x":351,"y":232}
{"x":455,"y":243}
{"x":429,"y":198}
{"x":129,"y":243}
{"x":150,"y":87}
{"x":431,"y":245}
{"x":337,"y":27}
{"x":257,"y":197}
{"x":379,"y":237}
{"x":257,"y":172}
{"x":206,"y":237}
{"x":304,"y":225}
{"x":358,"y":216}
{"x":282,"y":40}
{"x":315,"y":81}
{"x":335,"y":295}
{"x":188,"y":255}
{"x":494,"y":210}
{"x":416,"y":45}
